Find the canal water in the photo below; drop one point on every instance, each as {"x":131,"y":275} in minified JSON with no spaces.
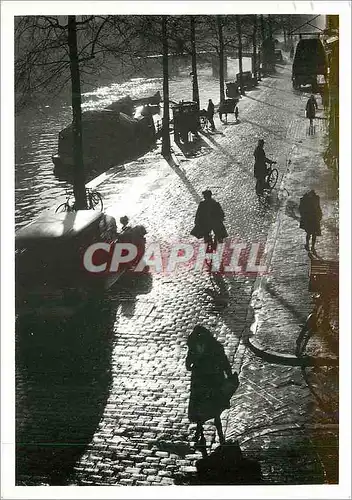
{"x":37,"y":129}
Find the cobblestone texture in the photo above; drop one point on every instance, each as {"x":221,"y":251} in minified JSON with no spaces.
{"x":114,"y":401}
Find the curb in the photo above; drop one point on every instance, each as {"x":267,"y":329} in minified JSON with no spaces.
{"x":280,"y":358}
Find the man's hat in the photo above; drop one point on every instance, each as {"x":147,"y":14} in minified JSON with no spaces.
{"x":207,"y":193}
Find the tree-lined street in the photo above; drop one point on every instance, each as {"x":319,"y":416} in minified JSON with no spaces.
{"x":122,"y":387}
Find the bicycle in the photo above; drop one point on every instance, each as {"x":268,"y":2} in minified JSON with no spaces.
{"x":94,"y":202}
{"x":269,"y":183}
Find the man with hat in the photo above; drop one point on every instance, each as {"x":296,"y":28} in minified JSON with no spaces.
{"x":209,"y":217}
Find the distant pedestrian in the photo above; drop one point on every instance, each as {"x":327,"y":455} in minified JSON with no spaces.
{"x":311,"y":106}
{"x":208,"y":363}
{"x":210,"y":113}
{"x":311,"y":215}
{"x":209,"y":217}
{"x":236,"y":113}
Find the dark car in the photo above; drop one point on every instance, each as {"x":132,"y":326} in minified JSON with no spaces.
{"x":309,"y":65}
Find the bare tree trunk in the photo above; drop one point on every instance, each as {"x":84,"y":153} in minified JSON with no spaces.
{"x":195,"y":89}
{"x":239,"y":34}
{"x":254,"y":70}
{"x":221,"y":59}
{"x":79,"y":189}
{"x":270,"y":26}
{"x":166,"y":146}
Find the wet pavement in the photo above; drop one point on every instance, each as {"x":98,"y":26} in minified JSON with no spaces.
{"x":113,"y":407}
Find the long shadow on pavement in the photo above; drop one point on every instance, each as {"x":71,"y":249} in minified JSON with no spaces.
{"x":194,"y":149}
{"x":284,"y":302}
{"x":62,"y":383}
{"x":226,"y":465}
{"x":182,"y":175}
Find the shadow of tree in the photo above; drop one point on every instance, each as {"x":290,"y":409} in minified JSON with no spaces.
{"x":182,"y":175}
{"x":194,"y":149}
{"x":62,"y":384}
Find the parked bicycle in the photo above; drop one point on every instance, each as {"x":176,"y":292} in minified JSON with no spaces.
{"x":94,"y":202}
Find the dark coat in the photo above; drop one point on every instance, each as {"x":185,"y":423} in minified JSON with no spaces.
{"x":208,"y":375}
{"x":210,"y":109}
{"x":311,"y":107}
{"x":209,"y":217}
{"x":311,"y":214}
{"x":260,"y":162}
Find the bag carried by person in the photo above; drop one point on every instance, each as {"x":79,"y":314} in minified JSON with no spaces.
{"x":230,"y":385}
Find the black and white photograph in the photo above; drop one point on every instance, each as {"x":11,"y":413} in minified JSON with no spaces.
{"x":175,"y":204}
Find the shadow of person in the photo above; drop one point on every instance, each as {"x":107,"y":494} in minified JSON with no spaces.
{"x":225,"y":465}
{"x":129,"y":287}
{"x":63,"y":375}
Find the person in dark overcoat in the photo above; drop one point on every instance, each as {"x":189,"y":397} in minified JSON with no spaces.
{"x":210,"y":114}
{"x":207,"y":361}
{"x":209,"y":217}
{"x":311,"y":215}
{"x":260,"y":168}
{"x":311,"y":107}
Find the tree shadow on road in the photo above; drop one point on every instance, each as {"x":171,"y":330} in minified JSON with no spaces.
{"x":194,"y":149}
{"x":182,"y":175}
{"x":281,"y":137}
{"x":295,"y":312}
{"x":62,"y":383}
{"x":271,"y":105}
{"x":225,"y":152}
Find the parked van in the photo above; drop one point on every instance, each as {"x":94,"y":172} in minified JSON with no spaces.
{"x":309,"y":65}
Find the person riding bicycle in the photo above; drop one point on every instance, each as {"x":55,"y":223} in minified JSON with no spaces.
{"x":209,"y":217}
{"x":260,"y":168}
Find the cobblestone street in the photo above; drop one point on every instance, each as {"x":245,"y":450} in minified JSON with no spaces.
{"x":113,"y":405}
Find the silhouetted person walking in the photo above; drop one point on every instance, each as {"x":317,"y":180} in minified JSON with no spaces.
{"x":209,"y":217}
{"x":210,"y":112}
{"x":311,"y":215}
{"x":311,"y":107}
{"x":208,"y":363}
{"x":236,"y":113}
{"x":260,"y":168}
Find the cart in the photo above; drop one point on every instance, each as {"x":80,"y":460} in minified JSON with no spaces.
{"x":186,"y":117}
{"x":233,"y":90}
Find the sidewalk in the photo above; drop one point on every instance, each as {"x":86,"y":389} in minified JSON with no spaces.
{"x":293,"y":433}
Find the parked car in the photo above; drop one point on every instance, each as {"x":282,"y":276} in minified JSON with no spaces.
{"x":278,"y":56}
{"x":309,"y":65}
{"x":51,"y":278}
